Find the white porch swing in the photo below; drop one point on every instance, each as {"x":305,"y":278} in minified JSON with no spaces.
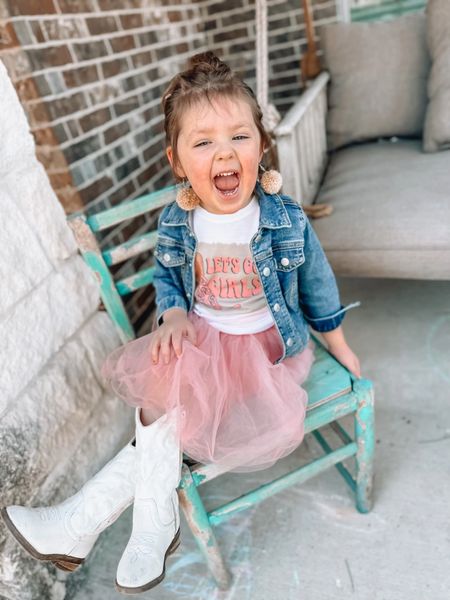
{"x":310,"y":68}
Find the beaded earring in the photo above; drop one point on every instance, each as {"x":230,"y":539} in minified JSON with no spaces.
{"x":186,"y":198}
{"x":271,"y":181}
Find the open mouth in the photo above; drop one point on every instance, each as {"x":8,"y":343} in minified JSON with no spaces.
{"x":227,"y":183}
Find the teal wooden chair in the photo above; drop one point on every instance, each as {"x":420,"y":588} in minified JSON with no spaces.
{"x":333,"y":391}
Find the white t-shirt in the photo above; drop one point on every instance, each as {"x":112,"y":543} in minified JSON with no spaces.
{"x":228,"y":291}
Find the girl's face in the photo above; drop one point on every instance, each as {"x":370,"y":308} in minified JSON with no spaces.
{"x":219,"y":149}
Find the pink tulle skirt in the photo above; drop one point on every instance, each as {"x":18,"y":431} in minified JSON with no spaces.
{"x":235,"y":407}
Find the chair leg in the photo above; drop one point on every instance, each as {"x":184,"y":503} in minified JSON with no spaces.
{"x":365,"y":439}
{"x":202,"y":531}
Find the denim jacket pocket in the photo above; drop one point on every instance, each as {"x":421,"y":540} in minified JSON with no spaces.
{"x":169,"y":253}
{"x":288,"y":255}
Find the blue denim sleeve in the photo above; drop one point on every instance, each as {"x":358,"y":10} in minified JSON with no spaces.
{"x":318,"y":291}
{"x":168,"y":285}
{"x":168,"y":292}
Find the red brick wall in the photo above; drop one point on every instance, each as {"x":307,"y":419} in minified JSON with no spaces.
{"x":90,"y":74}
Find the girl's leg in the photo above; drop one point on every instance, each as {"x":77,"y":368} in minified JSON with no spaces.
{"x":65,"y":533}
{"x":156,"y":520}
{"x":146,"y":417}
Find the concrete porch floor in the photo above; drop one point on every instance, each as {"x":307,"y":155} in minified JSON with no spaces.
{"x":310,"y":543}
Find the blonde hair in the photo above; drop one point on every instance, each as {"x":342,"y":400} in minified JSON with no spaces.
{"x":207,"y":77}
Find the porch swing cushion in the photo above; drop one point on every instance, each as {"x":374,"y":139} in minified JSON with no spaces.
{"x":378,"y":79}
{"x":391,"y":210}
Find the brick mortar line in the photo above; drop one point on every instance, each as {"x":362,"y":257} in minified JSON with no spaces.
{"x":93,"y":85}
{"x":116,"y":143}
{"x":98,"y":38}
{"x":103,"y":13}
{"x":111,"y":123}
{"x":281,"y":46}
{"x":108,"y":58}
{"x":85,"y":87}
{"x":195,"y":20}
{"x":90,"y":109}
{"x":139,"y":151}
{"x":239,"y":10}
{"x":139,"y":171}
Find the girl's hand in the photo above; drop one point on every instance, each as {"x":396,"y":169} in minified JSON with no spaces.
{"x":170,"y":334}
{"x":347,"y":357}
{"x":338,"y":347}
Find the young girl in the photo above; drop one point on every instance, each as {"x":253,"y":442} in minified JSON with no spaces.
{"x":240,"y":274}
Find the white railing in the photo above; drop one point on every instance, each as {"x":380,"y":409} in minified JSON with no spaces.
{"x":302,"y":142}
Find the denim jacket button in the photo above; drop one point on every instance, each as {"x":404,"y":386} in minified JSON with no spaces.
{"x":266,"y":271}
{"x":276,"y":307}
{"x":289,"y":342}
{"x":166,"y":257}
{"x":285,"y":262}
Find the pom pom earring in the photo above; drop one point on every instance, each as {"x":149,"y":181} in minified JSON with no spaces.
{"x":271,"y":181}
{"x":186,"y":198}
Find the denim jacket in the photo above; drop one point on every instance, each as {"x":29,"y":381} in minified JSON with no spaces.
{"x":297,"y":280}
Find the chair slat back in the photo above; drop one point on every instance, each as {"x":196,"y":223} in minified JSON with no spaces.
{"x":99,"y":261}
{"x":131,"y":209}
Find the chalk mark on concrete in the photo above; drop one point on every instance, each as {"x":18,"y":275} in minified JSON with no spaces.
{"x":350,"y":575}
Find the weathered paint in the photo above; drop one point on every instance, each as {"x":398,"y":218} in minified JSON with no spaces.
{"x":133,"y":208}
{"x":134,"y":282}
{"x":91,"y":254}
{"x":201,"y":528}
{"x":326,"y":413}
{"x":132,"y":247}
{"x":327,"y":379}
{"x":348,"y":478}
{"x":204,"y":473}
{"x":365,"y":439}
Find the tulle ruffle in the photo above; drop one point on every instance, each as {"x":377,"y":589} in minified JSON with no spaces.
{"x":235,"y":407}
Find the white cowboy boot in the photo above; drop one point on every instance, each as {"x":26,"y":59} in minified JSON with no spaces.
{"x":156,"y":521}
{"x":65,"y":533}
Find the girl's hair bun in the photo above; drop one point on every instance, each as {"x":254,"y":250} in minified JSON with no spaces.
{"x":207,"y":61}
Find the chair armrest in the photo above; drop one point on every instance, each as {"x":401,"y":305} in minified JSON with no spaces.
{"x":302,"y":142}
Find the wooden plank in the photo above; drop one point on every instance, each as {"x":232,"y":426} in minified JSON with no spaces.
{"x":132,"y":247}
{"x":93,"y":257}
{"x":327,"y":379}
{"x":134,"y":282}
{"x":199,"y":523}
{"x":348,"y":478}
{"x":132,"y":209}
{"x":318,"y":417}
{"x":330,"y":411}
{"x":300,"y":475}
{"x":365,"y":438}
